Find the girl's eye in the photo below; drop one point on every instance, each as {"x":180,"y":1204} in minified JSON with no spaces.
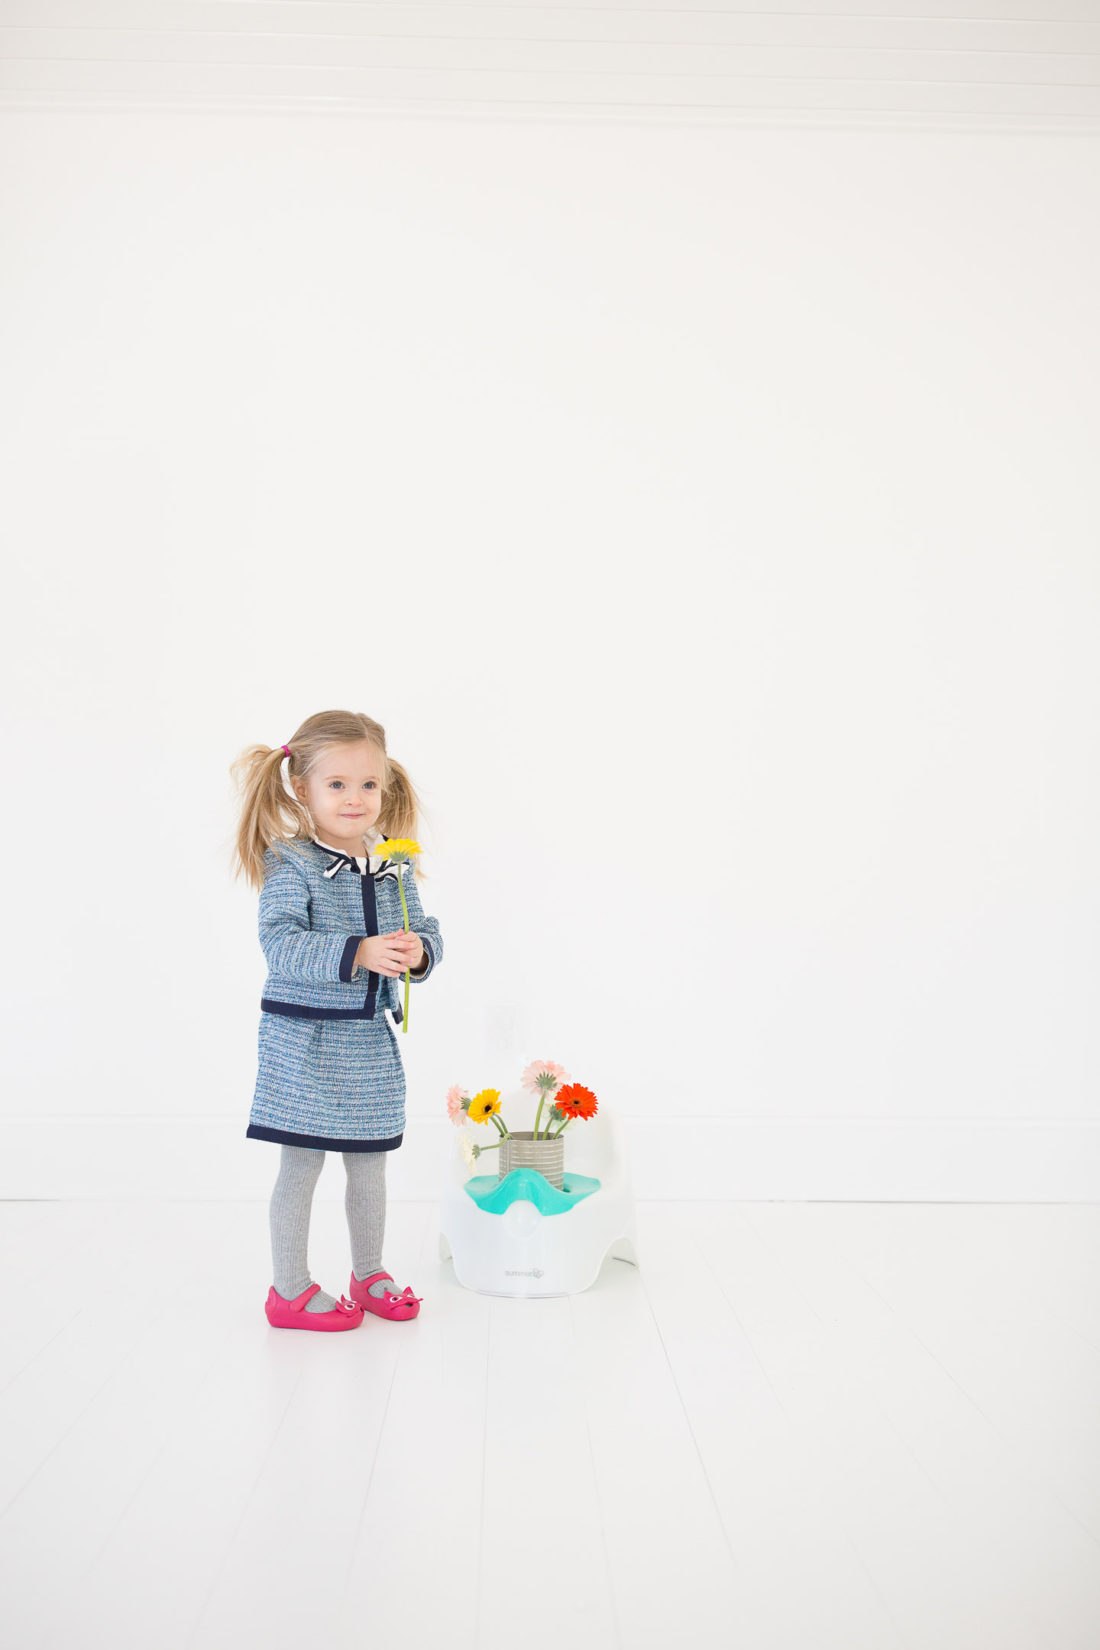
{"x":332,"y":782}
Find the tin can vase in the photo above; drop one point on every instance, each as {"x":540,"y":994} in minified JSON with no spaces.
{"x":522,"y":1151}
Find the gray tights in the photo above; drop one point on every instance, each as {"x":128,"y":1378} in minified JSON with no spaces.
{"x":292,"y":1203}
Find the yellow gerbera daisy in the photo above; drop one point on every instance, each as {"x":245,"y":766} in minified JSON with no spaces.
{"x":483,"y":1105}
{"x":399,"y":848}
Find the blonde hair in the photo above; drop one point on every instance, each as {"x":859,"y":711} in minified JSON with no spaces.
{"x":271,"y":813}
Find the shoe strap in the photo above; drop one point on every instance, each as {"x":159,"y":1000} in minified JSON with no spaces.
{"x":306,"y":1297}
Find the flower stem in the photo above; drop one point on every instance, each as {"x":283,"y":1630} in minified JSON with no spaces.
{"x":405,"y":911}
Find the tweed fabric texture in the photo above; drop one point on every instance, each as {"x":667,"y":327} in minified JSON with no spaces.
{"x":329,"y":1083}
{"x":310,"y":928}
{"x":329,"y":1071}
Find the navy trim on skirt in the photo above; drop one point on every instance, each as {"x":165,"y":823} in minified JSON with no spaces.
{"x":322,"y":1142}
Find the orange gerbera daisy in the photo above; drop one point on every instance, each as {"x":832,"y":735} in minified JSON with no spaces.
{"x":574,"y":1100}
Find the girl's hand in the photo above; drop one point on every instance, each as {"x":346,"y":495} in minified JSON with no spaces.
{"x":414,"y":951}
{"x":391,"y":953}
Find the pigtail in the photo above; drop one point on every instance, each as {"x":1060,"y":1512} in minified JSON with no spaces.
{"x":401,"y":811}
{"x":269,"y":812}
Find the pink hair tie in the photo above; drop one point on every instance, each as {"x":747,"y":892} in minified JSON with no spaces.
{"x":287,"y":751}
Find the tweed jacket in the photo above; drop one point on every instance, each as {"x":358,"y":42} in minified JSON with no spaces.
{"x":314,"y":911}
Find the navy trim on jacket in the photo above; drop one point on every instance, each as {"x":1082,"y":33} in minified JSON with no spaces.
{"x":301,"y":1011}
{"x":347,"y":961}
{"x":370,"y":918}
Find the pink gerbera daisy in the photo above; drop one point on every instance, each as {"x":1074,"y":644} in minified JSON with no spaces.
{"x":542,"y":1077}
{"x":456,"y":1111}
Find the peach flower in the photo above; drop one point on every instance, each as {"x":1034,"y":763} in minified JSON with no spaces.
{"x":456,"y":1111}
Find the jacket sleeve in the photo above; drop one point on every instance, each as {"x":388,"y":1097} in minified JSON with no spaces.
{"x":290,"y":947}
{"x":425,"y":928}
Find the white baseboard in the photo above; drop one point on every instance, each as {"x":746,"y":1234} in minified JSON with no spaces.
{"x":849,"y":1160}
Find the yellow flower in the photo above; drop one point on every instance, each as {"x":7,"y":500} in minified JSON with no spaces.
{"x":399,"y":848}
{"x":483,"y":1105}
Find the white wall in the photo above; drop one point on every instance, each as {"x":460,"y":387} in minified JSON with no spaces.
{"x":710,"y":518}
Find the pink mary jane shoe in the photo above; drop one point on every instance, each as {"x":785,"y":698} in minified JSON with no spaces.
{"x":284,"y":1314}
{"x":389,"y":1304}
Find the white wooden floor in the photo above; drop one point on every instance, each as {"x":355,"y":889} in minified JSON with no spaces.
{"x":800,"y":1426}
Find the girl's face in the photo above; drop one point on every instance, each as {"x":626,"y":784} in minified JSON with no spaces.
{"x":344,"y":793}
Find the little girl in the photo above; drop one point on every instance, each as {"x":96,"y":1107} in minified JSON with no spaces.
{"x":332,"y":929}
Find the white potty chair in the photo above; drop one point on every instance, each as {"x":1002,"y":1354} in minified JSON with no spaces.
{"x":523,"y":1251}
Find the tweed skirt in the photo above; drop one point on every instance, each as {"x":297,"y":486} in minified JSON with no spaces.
{"x":334,"y":1084}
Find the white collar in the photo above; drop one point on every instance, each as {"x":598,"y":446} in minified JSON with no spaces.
{"x":370,"y":837}
{"x":370,"y":863}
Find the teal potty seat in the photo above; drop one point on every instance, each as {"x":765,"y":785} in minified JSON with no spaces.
{"x":495,"y":1195}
